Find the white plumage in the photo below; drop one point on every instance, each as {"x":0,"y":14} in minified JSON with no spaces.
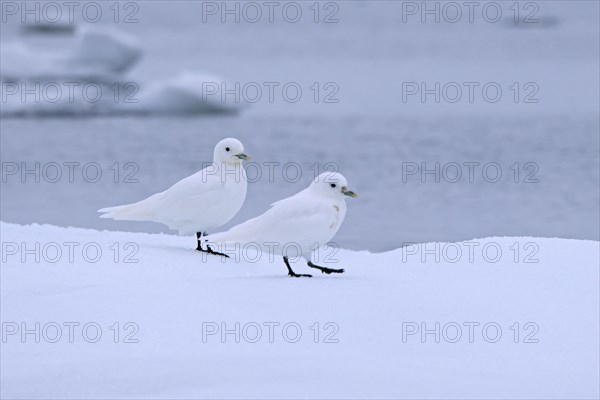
{"x":298,"y":223}
{"x":199,"y":203}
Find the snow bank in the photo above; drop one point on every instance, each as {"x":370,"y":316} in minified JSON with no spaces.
{"x":527,"y":329}
{"x":87,"y":79}
{"x":94,"y":55}
{"x":187,"y":93}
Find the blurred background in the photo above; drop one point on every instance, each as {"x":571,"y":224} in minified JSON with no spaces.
{"x":353,"y":73}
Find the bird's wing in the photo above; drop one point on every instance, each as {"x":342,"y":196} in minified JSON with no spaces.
{"x":199,"y":188}
{"x":198,"y":184}
{"x":196,"y":191}
{"x":286,"y":221}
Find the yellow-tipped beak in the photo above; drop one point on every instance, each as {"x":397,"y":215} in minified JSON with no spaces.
{"x":350,"y":193}
{"x":242,"y":156}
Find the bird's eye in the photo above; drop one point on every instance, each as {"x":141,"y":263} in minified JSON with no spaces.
{"x":226,"y":148}
{"x":333,"y":185}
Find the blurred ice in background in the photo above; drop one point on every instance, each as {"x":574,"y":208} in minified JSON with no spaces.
{"x":354,"y":111}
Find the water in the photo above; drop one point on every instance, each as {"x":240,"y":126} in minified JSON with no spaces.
{"x":370,"y":133}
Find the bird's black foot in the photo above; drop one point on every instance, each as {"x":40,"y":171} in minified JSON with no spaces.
{"x":326,"y":270}
{"x":216,"y":253}
{"x":208,"y":249}
{"x":292,"y":273}
{"x":211,"y":251}
{"x":295,"y":275}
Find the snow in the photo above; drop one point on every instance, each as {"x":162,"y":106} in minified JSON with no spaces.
{"x":93,"y":54}
{"x":172,"y":291}
{"x":188,"y":93}
{"x":88,"y":78}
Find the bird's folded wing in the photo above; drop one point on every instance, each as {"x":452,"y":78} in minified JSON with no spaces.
{"x":200,"y":190}
{"x":192,"y":193}
{"x":197,"y":184}
{"x":281,"y":222}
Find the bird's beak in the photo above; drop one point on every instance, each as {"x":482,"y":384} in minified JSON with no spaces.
{"x":350,"y":193}
{"x":242,"y":156}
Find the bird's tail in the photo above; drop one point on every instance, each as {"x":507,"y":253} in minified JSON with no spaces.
{"x":238,"y":234}
{"x":144,"y":210}
{"x":127,"y":212}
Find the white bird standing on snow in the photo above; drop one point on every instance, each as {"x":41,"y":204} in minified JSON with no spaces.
{"x":199,"y":203}
{"x":309,"y":218}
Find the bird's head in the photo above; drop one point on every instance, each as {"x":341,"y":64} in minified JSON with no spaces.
{"x":230,"y":151}
{"x":332,"y":184}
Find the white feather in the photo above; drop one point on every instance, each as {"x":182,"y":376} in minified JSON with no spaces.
{"x":302,"y":222}
{"x":201,"y":202}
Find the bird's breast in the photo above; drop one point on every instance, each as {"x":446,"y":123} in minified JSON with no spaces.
{"x":336,"y":221}
{"x":236,"y":188}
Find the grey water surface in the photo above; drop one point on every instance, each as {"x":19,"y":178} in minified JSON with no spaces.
{"x":547,"y":152}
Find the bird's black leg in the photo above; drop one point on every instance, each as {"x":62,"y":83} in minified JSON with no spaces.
{"x":292,"y":273}
{"x":208,"y":249}
{"x":325,"y":270}
{"x":198,"y":237}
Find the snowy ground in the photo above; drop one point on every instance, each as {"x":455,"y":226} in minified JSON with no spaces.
{"x":174,"y":300}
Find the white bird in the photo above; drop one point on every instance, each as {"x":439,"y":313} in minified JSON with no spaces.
{"x":199,"y":203}
{"x":297,"y":224}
